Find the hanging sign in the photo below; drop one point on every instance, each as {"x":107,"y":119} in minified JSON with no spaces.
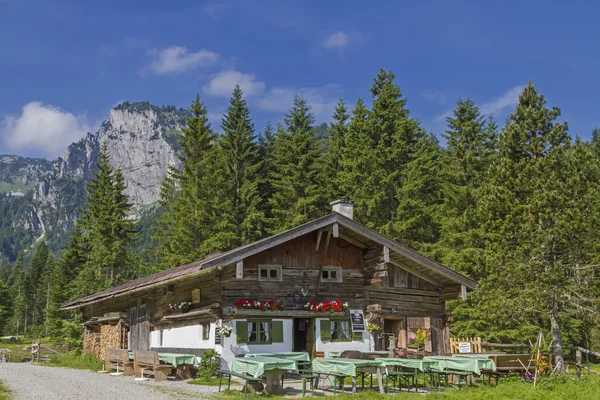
{"x":464,"y":347}
{"x":357,"y":318}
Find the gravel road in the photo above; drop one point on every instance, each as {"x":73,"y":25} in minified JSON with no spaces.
{"x":39,"y":382}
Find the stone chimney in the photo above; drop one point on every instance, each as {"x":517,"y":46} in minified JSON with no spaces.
{"x":343,"y":206}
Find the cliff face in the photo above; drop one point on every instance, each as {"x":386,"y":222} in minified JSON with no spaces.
{"x":141,"y":140}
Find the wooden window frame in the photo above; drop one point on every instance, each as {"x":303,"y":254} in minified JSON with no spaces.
{"x":270,"y":268}
{"x":258,"y":330}
{"x":338,"y":322}
{"x":338,"y":271}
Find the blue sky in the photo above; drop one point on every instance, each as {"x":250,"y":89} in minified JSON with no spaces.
{"x":65,"y":63}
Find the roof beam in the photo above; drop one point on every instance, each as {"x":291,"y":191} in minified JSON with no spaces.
{"x":405,"y":251}
{"x":416,"y":273}
{"x":352,"y":241}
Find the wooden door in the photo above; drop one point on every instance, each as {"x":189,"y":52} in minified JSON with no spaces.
{"x":139,"y":328}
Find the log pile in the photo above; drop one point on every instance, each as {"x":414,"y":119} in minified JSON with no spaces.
{"x":91,"y":343}
{"x":110,"y":337}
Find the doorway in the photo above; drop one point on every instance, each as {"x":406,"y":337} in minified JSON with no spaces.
{"x":302,"y":338}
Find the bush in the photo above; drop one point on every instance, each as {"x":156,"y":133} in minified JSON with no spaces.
{"x":73,"y":335}
{"x":210,"y":362}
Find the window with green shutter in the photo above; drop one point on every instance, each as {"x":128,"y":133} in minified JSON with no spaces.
{"x":257,"y":332}
{"x":325,"y":330}
{"x":277,"y":331}
{"x":241,"y":331}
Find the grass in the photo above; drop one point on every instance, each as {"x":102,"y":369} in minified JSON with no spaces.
{"x":552,"y":388}
{"x":5,"y":394}
{"x":21,"y":349}
{"x":207,"y":382}
{"x":75,"y":360}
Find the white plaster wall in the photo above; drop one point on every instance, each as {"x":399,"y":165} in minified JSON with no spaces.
{"x":229,"y":348}
{"x":187,"y":337}
{"x":339,"y":346}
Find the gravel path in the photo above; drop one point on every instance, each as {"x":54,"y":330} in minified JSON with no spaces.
{"x":39,"y":382}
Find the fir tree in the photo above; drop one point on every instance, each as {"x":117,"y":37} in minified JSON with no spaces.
{"x":6,"y":306}
{"x":266,"y":147}
{"x":335,"y":148}
{"x":34,"y":276}
{"x":542,"y":205}
{"x":107,"y":229}
{"x":296,"y":174}
{"x":190,"y":197}
{"x":17,"y":293}
{"x":417,"y":222}
{"x":470,"y":147}
{"x":241,"y":206}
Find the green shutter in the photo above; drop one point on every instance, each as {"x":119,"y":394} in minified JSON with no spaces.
{"x":277,"y":331}
{"x":325,"y":330}
{"x":357,"y":336}
{"x":241,"y":331}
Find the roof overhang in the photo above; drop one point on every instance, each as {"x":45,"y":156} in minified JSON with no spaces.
{"x":344,"y":227}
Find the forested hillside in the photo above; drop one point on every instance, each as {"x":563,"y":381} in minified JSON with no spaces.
{"x":515,"y":207}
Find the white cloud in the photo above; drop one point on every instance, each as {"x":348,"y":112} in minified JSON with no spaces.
{"x":43,"y":129}
{"x":509,"y":99}
{"x":222,"y":84}
{"x":338,"y":40}
{"x":280,"y":99}
{"x":177,"y":59}
{"x":435,"y":96}
{"x":496,"y":106}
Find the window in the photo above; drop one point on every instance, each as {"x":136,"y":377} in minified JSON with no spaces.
{"x":259,"y":331}
{"x":269,"y":272}
{"x":331,"y":274}
{"x":338,"y":330}
{"x":205,"y":331}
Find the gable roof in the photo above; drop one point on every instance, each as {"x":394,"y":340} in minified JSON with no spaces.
{"x":348,"y":229}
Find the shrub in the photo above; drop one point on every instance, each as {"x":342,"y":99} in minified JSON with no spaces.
{"x":210,"y":362}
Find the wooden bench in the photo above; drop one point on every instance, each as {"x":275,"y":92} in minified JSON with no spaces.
{"x":115,"y":358}
{"x":247,"y":378}
{"x":147,"y":362}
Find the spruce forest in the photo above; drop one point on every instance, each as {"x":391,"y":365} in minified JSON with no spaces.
{"x":514,"y":206}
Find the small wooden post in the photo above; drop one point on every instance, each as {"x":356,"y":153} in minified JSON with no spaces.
{"x":578,"y":362}
{"x":386,"y":254}
{"x":463,"y":292}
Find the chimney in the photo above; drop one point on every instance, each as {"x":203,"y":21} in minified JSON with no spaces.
{"x":342,"y":206}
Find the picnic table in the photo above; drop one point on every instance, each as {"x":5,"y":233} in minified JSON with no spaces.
{"x":294,"y":356}
{"x":183,"y":363}
{"x":349,"y":367}
{"x":271,"y":368}
{"x":468,"y":364}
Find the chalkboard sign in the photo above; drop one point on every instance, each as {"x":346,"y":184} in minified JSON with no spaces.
{"x":298,"y":298}
{"x":358,"y":321}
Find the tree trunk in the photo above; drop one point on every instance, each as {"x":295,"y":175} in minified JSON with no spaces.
{"x":557,"y":348}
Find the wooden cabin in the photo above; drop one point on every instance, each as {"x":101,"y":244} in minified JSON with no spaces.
{"x":298,"y":276}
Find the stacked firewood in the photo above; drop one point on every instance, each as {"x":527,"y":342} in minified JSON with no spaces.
{"x":110,"y":338}
{"x":91,"y":343}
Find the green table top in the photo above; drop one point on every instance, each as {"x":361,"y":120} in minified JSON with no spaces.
{"x":346,"y":366}
{"x":474,"y":365}
{"x":294,"y":356}
{"x":175,"y":359}
{"x":178,"y":359}
{"x":405,"y":363}
{"x":256,"y":366}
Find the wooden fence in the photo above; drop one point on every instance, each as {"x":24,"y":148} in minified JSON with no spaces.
{"x":476,"y":344}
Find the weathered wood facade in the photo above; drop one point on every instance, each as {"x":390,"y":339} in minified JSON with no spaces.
{"x":327,"y":259}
